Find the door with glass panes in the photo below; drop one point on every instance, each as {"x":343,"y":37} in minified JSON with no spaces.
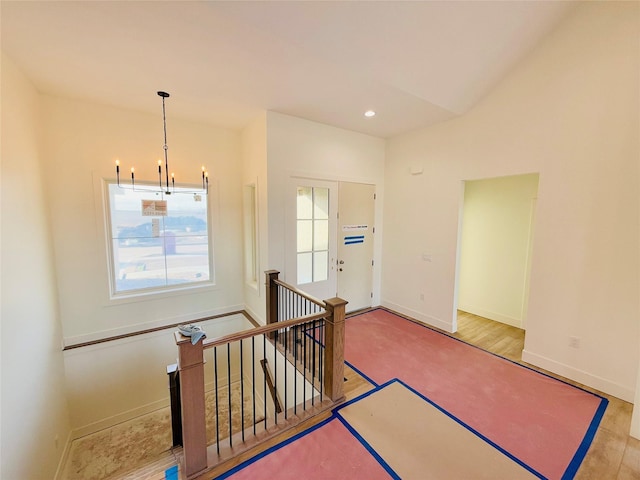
{"x":311,"y":249}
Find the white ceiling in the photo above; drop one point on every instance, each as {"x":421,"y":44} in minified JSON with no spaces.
{"x":415,"y":63}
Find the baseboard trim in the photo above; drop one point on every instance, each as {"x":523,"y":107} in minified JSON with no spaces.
{"x":588,"y":379}
{"x":119,"y":418}
{"x":65,"y":456}
{"x":429,"y":320}
{"x":255,"y":318}
{"x":498,"y":317}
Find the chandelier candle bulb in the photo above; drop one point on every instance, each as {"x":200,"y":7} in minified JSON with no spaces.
{"x":165,"y":187}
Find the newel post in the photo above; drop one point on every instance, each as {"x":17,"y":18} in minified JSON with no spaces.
{"x":194,"y":434}
{"x":272,"y":296}
{"x":334,"y":349}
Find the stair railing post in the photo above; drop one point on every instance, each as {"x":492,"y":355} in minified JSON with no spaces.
{"x":272,"y":298}
{"x":334,"y":349}
{"x":194,"y":434}
{"x":176,"y":411}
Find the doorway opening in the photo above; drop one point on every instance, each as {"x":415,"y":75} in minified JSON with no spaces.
{"x":495,"y":243}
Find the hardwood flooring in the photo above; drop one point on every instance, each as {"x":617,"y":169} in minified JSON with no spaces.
{"x":613,"y":455}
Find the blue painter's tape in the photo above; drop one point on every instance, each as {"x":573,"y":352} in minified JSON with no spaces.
{"x":350,"y":240}
{"x":370,"y":449}
{"x":171,"y":473}
{"x":572,"y":469}
{"x":278,"y":446}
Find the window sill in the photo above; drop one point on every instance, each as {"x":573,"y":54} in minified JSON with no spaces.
{"x":146,"y":296}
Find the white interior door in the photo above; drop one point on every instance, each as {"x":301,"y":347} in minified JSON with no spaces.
{"x":356,"y":214}
{"x":311,"y":230}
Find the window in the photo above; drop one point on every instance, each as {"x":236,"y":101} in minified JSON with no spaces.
{"x":157,"y":241}
{"x":312,"y":234}
{"x":250,"y":235}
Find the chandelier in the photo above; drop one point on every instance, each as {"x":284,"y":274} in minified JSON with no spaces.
{"x":164,"y":188}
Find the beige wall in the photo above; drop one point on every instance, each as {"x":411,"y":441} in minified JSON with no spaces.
{"x":302,"y":148}
{"x":495,"y":246}
{"x":254,"y":172}
{"x":82,"y":141}
{"x":35,"y":418}
{"x":116,"y":381}
{"x":569,"y":112}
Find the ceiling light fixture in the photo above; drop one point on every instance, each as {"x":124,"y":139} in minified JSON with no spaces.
{"x":163,"y":188}
{"x":369,"y":113}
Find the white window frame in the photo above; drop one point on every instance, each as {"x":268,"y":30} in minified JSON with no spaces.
{"x":251,"y":236}
{"x":158,"y":290}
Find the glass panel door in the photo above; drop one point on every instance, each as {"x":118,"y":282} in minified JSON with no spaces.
{"x":312,"y":234}
{"x":312,"y":222}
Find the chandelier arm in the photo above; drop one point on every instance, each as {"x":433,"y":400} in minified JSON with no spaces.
{"x":168,"y":188}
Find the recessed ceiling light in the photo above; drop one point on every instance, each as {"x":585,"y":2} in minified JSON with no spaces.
{"x":369,"y":113}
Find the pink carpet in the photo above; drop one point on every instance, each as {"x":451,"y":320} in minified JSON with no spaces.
{"x":545,"y":423}
{"x":329,"y":451}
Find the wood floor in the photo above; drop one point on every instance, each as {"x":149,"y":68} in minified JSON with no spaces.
{"x":613,"y":455}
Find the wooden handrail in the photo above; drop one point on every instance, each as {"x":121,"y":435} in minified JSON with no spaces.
{"x":304,"y":295}
{"x":272,"y":389}
{"x":330,"y":368}
{"x":264,"y":329}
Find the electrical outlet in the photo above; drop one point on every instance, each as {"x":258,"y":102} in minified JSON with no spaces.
{"x":574,"y":342}
{"x":422,"y":296}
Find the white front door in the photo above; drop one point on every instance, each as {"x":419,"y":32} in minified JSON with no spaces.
{"x":356,"y":214}
{"x":311,"y":232}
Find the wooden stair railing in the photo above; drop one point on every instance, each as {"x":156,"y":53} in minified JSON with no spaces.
{"x":319,"y":374}
{"x":272,"y":389}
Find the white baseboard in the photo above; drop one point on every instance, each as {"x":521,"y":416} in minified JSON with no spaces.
{"x":624,"y":393}
{"x":119,"y":418}
{"x":63,"y":459}
{"x":429,"y":320}
{"x":254,"y":315}
{"x":498,"y":317}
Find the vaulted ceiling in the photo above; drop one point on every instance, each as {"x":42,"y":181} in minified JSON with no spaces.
{"x":414,"y":63}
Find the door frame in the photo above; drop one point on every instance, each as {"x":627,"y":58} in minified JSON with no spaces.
{"x":369,"y":236}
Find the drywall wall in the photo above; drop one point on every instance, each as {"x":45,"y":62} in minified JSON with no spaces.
{"x":570,"y":112}
{"x":35,"y":417}
{"x":116,"y":381}
{"x":495,"y":245}
{"x":82,"y":141}
{"x":254,"y":172}
{"x":301,"y":148}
